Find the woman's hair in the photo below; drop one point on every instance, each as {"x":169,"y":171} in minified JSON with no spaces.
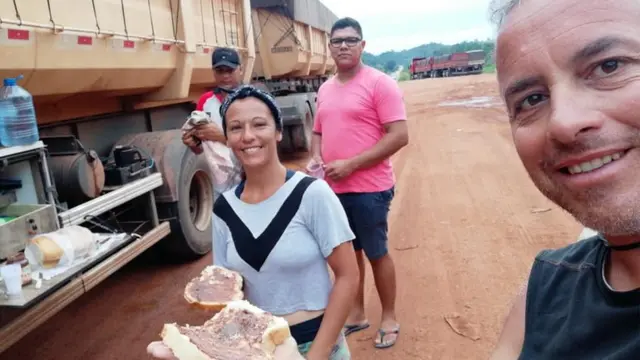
{"x":244,"y":92}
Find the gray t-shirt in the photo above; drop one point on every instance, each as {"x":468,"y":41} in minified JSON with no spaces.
{"x":295,"y":275}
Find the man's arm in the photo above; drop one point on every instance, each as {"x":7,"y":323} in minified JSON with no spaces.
{"x":210,"y":132}
{"x":512,"y":338}
{"x":316,"y":137}
{"x":316,"y":140}
{"x":389,"y":104}
{"x":395,"y":138}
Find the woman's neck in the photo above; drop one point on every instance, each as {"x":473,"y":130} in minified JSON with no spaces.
{"x":263,"y":182}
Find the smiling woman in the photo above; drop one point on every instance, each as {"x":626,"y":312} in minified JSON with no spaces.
{"x":282,"y":230}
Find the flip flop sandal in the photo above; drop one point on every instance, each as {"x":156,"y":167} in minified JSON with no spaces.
{"x":383,"y":333}
{"x":349,"y":329}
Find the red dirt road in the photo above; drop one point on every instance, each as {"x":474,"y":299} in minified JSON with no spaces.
{"x":464,"y":227}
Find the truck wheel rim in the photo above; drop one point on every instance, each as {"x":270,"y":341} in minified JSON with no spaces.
{"x":200,"y":200}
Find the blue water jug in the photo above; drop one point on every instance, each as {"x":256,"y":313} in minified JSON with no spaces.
{"x":18,"y":125}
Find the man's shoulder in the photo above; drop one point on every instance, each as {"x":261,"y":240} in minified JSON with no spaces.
{"x":377,"y":76}
{"x":577,"y":256}
{"x":327,"y":83}
{"x":373,"y":72}
{"x":206,"y":96}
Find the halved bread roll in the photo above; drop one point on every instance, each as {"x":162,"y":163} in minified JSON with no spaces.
{"x":240,"y":331}
{"x":214,"y":288}
{"x":46,"y":251}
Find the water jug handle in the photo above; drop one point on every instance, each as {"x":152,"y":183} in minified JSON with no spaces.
{"x":12,"y":81}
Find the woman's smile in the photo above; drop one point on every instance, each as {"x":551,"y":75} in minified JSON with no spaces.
{"x":251,"y":150}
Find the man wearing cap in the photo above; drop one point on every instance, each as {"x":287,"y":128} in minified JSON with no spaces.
{"x":227,"y":72}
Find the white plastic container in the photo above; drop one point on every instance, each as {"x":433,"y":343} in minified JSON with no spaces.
{"x":315,"y":169}
{"x":12,"y":276}
{"x":18,"y":125}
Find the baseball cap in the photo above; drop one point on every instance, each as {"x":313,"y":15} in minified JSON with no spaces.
{"x":225,"y":57}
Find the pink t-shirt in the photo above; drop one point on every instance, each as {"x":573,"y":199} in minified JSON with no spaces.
{"x":351,"y":119}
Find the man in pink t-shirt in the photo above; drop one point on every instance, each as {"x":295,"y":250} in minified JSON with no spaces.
{"x":360,"y":123}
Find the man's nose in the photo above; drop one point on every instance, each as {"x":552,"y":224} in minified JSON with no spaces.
{"x":573,"y":115}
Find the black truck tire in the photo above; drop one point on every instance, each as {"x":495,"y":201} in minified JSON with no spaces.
{"x":191,"y":216}
{"x":286,"y":144}
{"x":301,"y":134}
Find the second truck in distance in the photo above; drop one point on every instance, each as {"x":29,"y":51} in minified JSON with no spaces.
{"x":459,"y":63}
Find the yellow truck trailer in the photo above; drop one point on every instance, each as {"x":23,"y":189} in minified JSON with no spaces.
{"x":117,"y":79}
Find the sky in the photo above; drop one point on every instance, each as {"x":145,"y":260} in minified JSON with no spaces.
{"x":403,"y":24}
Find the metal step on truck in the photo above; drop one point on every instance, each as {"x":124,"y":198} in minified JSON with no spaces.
{"x":112,"y":82}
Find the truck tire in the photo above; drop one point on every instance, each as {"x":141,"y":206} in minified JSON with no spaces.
{"x":191,"y":216}
{"x":286,"y":145}
{"x":301,"y":134}
{"x":186,"y":197}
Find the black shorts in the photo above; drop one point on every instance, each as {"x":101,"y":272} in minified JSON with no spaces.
{"x":367,"y":214}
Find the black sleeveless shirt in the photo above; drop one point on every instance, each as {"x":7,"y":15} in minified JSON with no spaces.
{"x":572,"y":313}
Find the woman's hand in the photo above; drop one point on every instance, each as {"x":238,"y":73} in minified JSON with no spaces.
{"x":288,"y":350}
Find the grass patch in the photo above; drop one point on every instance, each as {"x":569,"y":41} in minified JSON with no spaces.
{"x":404,"y":75}
{"x":489,"y":69}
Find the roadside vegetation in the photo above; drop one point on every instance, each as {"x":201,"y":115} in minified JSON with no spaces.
{"x":389,"y":61}
{"x":489,"y":69}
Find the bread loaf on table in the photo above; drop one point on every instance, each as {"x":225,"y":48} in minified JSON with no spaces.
{"x":240,"y":331}
{"x":46,"y":251}
{"x":214,"y":288}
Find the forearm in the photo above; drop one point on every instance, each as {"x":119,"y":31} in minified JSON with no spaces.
{"x":385,"y":148}
{"x":505,"y":353}
{"x":316,"y":140}
{"x":218,"y":138}
{"x":512,"y":336}
{"x":340,"y":301}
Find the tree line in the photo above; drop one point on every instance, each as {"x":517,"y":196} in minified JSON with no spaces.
{"x":389,"y":61}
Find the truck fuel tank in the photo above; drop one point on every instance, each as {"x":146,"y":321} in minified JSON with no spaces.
{"x":78,"y":173}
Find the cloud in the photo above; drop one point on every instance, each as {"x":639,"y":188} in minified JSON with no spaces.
{"x":403,"y":24}
{"x":362,"y":9}
{"x":381,"y":44}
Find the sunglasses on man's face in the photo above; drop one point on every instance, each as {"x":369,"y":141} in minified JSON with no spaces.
{"x":350,"y":41}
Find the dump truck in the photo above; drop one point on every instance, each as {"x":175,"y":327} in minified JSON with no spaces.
{"x":455,"y":64}
{"x":112,"y":84}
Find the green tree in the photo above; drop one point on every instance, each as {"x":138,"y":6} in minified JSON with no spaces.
{"x":380,"y":61}
{"x":390,"y":66}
